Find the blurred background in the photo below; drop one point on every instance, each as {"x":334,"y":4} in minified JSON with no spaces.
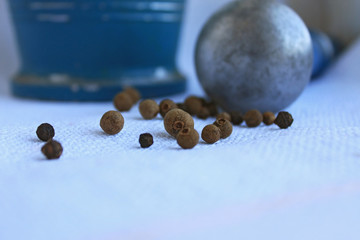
{"x":337,"y":18}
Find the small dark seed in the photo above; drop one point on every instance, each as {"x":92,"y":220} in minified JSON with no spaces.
{"x":224,"y":115}
{"x":187,"y":138}
{"x":166,"y":105}
{"x":211,"y":134}
{"x":148,"y":109}
{"x":45,"y":132}
{"x":268,"y":118}
{"x":236,"y":118}
{"x":52,"y":150}
{"x":225,"y":127}
{"x":146,"y":140}
{"x":284,"y":120}
{"x":253,"y":118}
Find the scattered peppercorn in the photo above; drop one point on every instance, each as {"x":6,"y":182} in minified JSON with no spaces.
{"x":148,"y":109}
{"x":52,"y":149}
{"x":212,"y":108}
{"x":146,"y":140}
{"x":236,"y":118}
{"x":177,"y":119}
{"x":134,"y":94}
{"x":224,"y":115}
{"x":187,"y":138}
{"x":253,"y":118}
{"x":211,"y":134}
{"x":183,"y":107}
{"x":112,"y":122}
{"x":166,"y":105}
{"x":123,"y":102}
{"x":45,"y":132}
{"x":203,"y":113}
{"x":268,"y":118}
{"x":284,"y":120}
{"x":193,"y":104}
{"x":225,"y":127}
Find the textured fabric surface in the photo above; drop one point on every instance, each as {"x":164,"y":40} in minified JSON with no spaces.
{"x":262,"y":183}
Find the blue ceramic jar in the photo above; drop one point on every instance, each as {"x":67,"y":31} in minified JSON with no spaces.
{"x":91,"y":49}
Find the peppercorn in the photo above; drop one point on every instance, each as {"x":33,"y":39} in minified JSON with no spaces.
{"x":45,"y":132}
{"x":212,"y":107}
{"x":146,"y":140}
{"x":148,"y":109}
{"x":236,"y":118}
{"x":177,"y":119}
{"x":268,"y":118}
{"x":52,"y":149}
{"x":211,"y":134}
{"x":225,"y":127}
{"x":112,"y":122}
{"x":224,"y":115}
{"x":133,"y":93}
{"x":203,"y":113}
{"x":123,"y":102}
{"x":166,"y":105}
{"x":193,"y":104}
{"x":183,"y":107}
{"x":187,"y":138}
{"x":253,"y":118}
{"x":284,"y":120}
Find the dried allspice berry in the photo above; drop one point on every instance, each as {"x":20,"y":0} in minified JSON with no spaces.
{"x":211,"y":134}
{"x":225,"y":127}
{"x":224,"y":115}
{"x":253,"y":118}
{"x":112,"y":122}
{"x":284,"y":120}
{"x":193,"y":104}
{"x":146,"y":140}
{"x":133,"y":93}
{"x":148,"y":109}
{"x":268,"y":118}
{"x":52,"y":149}
{"x":45,"y":132}
{"x":187,"y":138}
{"x":204,"y":113}
{"x":236,"y":118}
{"x":123,"y":102}
{"x":175,"y":120}
{"x":212,"y":107}
{"x":166,"y":105}
{"x":182,"y":106}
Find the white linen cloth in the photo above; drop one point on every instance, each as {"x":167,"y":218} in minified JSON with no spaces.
{"x":262,"y":183}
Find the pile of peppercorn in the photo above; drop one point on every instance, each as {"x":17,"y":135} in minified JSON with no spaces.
{"x":177,"y":118}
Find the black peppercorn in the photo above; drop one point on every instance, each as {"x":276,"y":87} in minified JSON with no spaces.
{"x":225,"y":127}
{"x":146,"y":140}
{"x":268,"y":118}
{"x":253,"y":118}
{"x":187,"y":138}
{"x":284,"y":120}
{"x":166,"y":105}
{"x":123,"y":102}
{"x":211,"y":134}
{"x":236,"y":118}
{"x":52,"y":150}
{"x":148,"y":109}
{"x":45,"y":132}
{"x":112,"y":122}
{"x":175,"y":120}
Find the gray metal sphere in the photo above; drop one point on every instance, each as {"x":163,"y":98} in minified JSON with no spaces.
{"x":254,"y":54}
